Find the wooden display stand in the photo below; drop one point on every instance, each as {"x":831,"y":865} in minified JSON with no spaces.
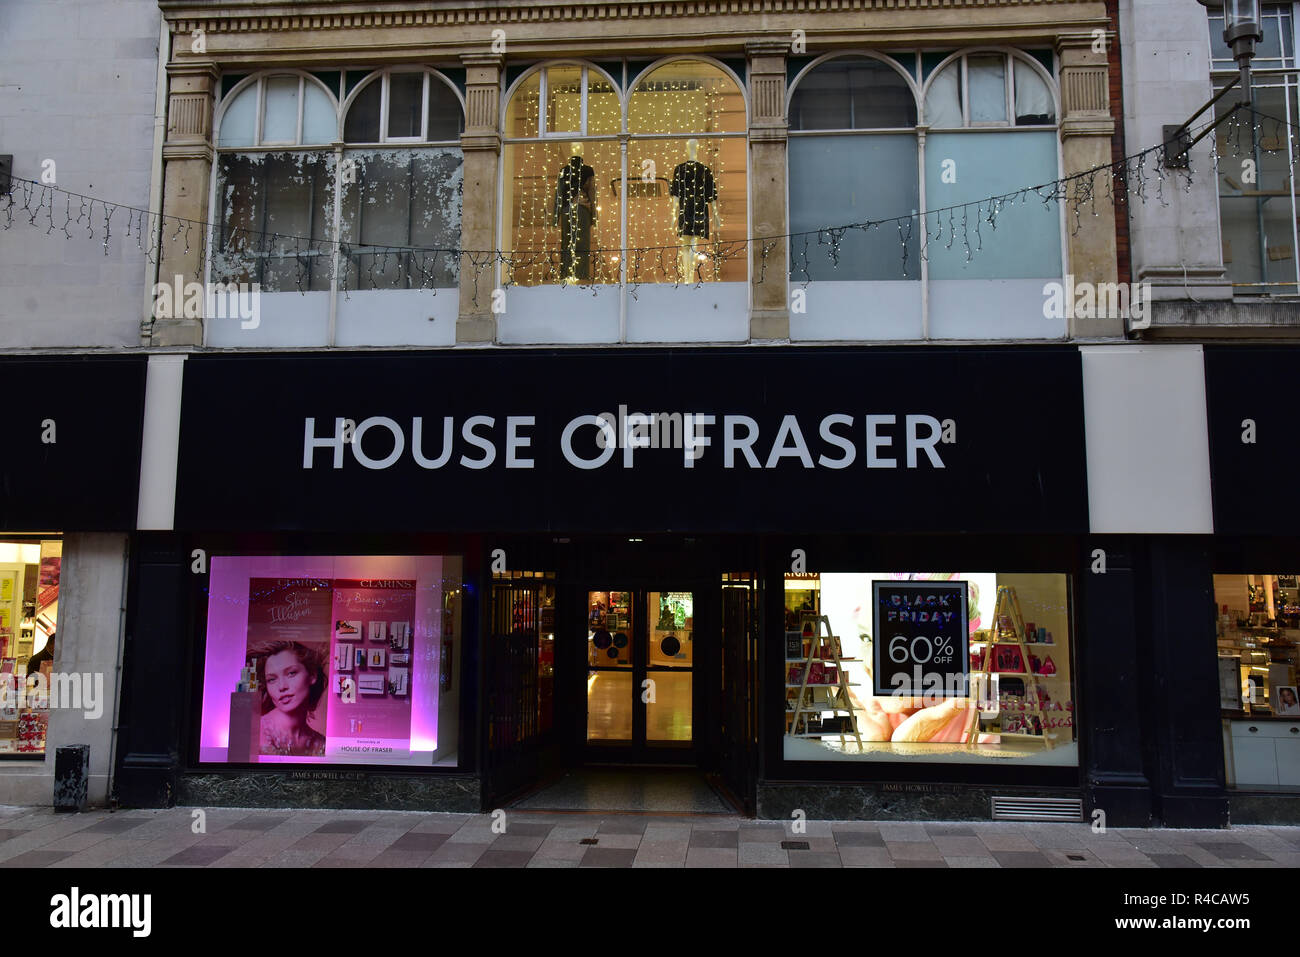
{"x":1009,"y":631}
{"x":812,"y":699}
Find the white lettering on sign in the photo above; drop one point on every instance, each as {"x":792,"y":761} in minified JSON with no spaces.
{"x":834,"y":441}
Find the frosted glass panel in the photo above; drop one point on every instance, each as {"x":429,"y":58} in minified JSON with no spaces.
{"x":239,"y":122}
{"x":1027,"y":241}
{"x":988,"y":90}
{"x":319,"y":121}
{"x":943,"y":101}
{"x":851,"y":179}
{"x":1033,"y":98}
{"x":280,"y":122}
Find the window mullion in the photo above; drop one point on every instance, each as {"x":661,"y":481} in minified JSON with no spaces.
{"x":261,"y":109}
{"x":582,"y":102}
{"x":541,"y":103}
{"x":1289,"y":88}
{"x":1009,"y":88}
{"x":424,"y":110}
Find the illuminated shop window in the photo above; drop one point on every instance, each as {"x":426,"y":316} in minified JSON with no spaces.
{"x":563,"y":165}
{"x":29,"y":618}
{"x":332,"y":660}
{"x":1259,"y":701}
{"x":688,"y":147}
{"x":931,"y":667}
{"x":571,"y":196}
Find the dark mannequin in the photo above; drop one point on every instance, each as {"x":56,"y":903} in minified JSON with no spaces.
{"x":694,"y":189}
{"x":575,"y":208}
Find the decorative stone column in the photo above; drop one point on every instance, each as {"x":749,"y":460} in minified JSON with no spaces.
{"x":1086,"y":131}
{"x":769,"y":316}
{"x":187,"y":168}
{"x":481,"y":146}
{"x":1176,"y":245}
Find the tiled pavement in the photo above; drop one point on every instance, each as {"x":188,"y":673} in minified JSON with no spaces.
{"x":234,"y":837}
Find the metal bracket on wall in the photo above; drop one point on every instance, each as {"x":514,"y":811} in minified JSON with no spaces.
{"x":6,"y":173}
{"x":1178,"y":140}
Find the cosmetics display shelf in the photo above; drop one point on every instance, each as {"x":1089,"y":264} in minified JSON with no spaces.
{"x":1009,"y":631}
{"x":813,"y":699}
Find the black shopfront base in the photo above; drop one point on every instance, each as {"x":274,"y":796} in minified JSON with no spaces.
{"x":1150,"y":738}
{"x":1149,"y":730}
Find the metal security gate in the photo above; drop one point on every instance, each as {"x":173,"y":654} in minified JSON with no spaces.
{"x":518,"y":730}
{"x":739,"y":740}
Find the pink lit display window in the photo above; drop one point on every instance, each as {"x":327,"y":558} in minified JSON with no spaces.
{"x":329,"y":660}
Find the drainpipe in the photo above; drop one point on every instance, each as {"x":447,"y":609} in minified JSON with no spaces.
{"x":117,"y":667}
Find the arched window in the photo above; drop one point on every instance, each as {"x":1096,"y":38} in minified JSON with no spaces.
{"x":988,"y":89}
{"x":279,"y":110}
{"x":852,"y":93}
{"x":404,"y":107}
{"x":992,"y":121}
{"x":274,"y":183}
{"x":573,"y":200}
{"x":853,"y":159}
{"x":562,"y":212}
{"x":686,"y":188}
{"x":402,"y":182}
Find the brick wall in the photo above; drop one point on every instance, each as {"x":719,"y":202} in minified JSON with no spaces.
{"x":1123,"y":263}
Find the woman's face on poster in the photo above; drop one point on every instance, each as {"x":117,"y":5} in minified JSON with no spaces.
{"x":287,"y":682}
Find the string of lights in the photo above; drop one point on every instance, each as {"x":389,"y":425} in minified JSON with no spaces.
{"x":1141,"y":176}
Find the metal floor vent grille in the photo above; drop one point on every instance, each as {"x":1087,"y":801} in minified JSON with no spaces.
{"x":1037,"y":809}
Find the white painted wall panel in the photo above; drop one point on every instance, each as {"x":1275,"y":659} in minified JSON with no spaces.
{"x":1147,"y":439}
{"x":161,"y":442}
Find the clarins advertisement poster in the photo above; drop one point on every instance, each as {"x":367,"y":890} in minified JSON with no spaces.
{"x":326,"y":659}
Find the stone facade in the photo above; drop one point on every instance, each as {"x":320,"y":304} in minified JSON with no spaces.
{"x":486,"y":42}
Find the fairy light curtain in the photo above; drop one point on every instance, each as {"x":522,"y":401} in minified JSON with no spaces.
{"x":570,"y":193}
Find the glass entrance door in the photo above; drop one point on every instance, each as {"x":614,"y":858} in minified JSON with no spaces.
{"x":640,"y":672}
